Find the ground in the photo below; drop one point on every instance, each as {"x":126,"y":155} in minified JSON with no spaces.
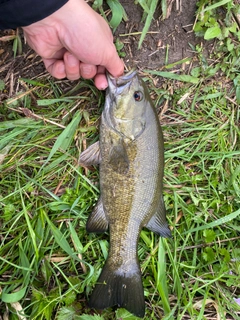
{"x":174,"y":33}
{"x":45,"y":198}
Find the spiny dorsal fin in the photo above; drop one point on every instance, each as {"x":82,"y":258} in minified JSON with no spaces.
{"x":97,"y":221}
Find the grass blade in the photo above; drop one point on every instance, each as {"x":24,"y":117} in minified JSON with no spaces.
{"x":178,"y":77}
{"x":65,"y":139}
{"x":59,"y":238}
{"x":118,"y":13}
{"x":164,"y":8}
{"x":217,"y":222}
{"x":148,"y":22}
{"x":13,"y":297}
{"x":161,"y":276}
{"x":216,"y":5}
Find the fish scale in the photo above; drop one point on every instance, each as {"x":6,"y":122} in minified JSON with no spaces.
{"x":130,"y":155}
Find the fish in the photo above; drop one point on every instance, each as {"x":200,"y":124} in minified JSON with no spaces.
{"x":130,"y":154}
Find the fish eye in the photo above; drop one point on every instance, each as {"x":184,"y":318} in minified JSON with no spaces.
{"x":138,"y":95}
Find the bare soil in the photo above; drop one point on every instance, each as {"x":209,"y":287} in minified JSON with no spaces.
{"x":166,"y":38}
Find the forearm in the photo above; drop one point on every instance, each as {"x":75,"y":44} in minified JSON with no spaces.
{"x":19,"y":13}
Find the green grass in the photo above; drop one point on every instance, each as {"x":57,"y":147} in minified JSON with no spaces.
{"x":49,"y":263}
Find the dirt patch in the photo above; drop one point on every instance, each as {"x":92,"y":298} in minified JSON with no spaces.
{"x":25,"y":65}
{"x":167,"y":40}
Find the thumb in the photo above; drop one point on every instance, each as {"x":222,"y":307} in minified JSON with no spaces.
{"x":114,"y":66}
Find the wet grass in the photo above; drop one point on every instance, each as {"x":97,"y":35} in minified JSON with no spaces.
{"x":49,"y":263}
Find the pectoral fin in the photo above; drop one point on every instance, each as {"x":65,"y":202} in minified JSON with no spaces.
{"x":97,"y":221}
{"x":118,"y":158}
{"x":91,"y":156}
{"x":158,"y":222}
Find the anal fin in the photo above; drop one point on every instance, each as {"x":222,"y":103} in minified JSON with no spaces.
{"x":158,"y":222}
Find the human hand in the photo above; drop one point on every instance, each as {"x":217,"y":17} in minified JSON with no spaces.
{"x":75,"y":42}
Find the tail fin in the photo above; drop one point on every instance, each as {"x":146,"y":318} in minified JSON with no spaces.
{"x":121,"y":287}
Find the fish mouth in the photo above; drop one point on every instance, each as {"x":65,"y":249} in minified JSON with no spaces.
{"x":116,"y":86}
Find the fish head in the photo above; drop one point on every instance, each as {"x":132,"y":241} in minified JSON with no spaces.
{"x":125,"y":106}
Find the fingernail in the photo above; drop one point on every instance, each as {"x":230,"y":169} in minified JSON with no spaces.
{"x":61,"y":68}
{"x":101,"y":81}
{"x":103,"y":87}
{"x":86,"y":70}
{"x":71,"y":60}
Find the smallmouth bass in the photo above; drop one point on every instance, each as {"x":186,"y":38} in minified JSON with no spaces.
{"x":131,"y":158}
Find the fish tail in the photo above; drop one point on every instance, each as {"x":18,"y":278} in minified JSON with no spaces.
{"x":120,"y":287}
